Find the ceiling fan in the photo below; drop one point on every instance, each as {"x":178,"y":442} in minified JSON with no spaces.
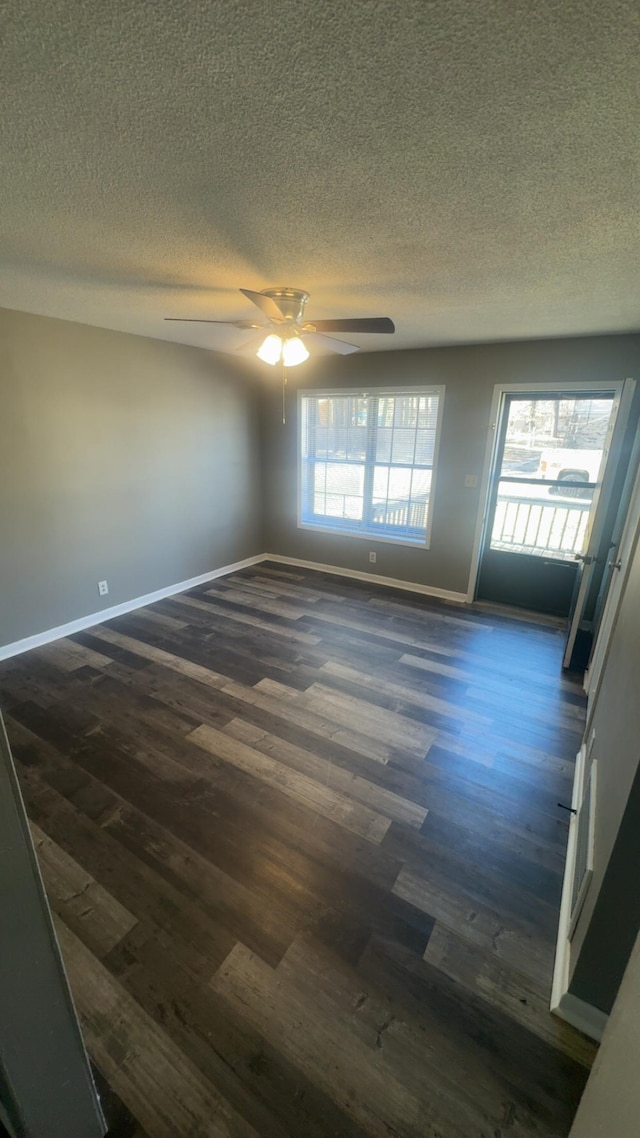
{"x":287,"y":329}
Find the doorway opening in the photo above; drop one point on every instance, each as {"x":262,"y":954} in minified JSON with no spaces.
{"x":548,"y":463}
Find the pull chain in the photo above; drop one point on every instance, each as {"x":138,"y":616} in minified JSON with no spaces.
{"x":284,"y":387}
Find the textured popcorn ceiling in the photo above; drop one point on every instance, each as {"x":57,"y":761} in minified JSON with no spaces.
{"x":469,"y":168}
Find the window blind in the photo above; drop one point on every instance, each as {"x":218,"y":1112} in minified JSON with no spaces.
{"x":367,"y":462}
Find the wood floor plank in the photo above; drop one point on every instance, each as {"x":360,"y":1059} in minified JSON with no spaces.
{"x":251,"y":915}
{"x":146,"y":895}
{"x":153,"y":1077}
{"x":285,"y":860}
{"x":209,"y":608}
{"x":421,"y":699}
{"x":250,"y":599}
{"x":479,"y":925}
{"x":541,"y":1101}
{"x":275,"y":570}
{"x":352,"y":815}
{"x":495,"y":877}
{"x":38,"y":679}
{"x":346,"y":624}
{"x":159,"y":656}
{"x":98,"y":918}
{"x":302,"y":835}
{"x":255,"y":1078}
{"x":353,"y":786}
{"x":441,"y":615}
{"x":507,"y":988}
{"x":70,"y":656}
{"x":381,"y":1104}
{"x":272,"y":699}
{"x":422,"y":656}
{"x":394,"y":729}
{"x":283,"y":587}
{"x":365,"y":1012}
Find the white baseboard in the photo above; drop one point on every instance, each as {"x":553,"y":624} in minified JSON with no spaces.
{"x":62,"y":630}
{"x":591,"y":1021}
{"x":372,"y":578}
{"x":94,"y":618}
{"x":566,"y":1006}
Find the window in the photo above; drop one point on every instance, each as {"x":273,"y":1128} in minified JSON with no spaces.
{"x":367,"y":462}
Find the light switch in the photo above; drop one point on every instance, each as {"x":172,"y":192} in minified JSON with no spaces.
{"x":471,"y":480}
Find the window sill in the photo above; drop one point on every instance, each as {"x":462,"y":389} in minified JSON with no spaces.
{"x":412,"y":543}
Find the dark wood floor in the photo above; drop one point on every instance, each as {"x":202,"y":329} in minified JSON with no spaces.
{"x":301,"y":839}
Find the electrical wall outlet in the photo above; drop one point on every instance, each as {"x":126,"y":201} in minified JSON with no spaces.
{"x":373,"y":558}
{"x":471,"y":480}
{"x":103,"y":588}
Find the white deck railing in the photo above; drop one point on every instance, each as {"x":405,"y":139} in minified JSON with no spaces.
{"x":529,"y":525}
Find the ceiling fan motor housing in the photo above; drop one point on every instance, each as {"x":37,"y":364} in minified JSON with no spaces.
{"x":290,"y":301}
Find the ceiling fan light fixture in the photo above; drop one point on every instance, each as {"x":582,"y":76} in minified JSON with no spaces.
{"x":290,"y":349}
{"x":284,"y":310}
{"x":294,"y":352}
{"x":270,"y":350}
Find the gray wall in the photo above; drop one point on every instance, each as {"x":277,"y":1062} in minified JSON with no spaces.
{"x":611,"y":915}
{"x":610,"y":1106}
{"x":469,"y":374}
{"x":121,"y":458}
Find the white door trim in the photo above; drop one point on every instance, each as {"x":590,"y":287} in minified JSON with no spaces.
{"x":602,"y":497}
{"x":563,"y":1003}
{"x":624,"y":555}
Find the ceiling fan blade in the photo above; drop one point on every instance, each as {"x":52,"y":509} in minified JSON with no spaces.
{"x":330,"y":344}
{"x":250,"y":346}
{"x":266,"y":304}
{"x":229,"y":323}
{"x":357,"y":324}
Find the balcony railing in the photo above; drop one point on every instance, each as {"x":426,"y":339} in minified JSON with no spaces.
{"x":544,"y":529}
{"x":521,"y":525}
{"x":399,"y":512}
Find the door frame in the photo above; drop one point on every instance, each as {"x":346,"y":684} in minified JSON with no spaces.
{"x":617,"y":536}
{"x":624,"y":555}
{"x":48,"y":1087}
{"x":602,"y":497}
{"x":497,"y":407}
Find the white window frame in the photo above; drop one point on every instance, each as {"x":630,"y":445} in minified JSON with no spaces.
{"x":363,"y":393}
